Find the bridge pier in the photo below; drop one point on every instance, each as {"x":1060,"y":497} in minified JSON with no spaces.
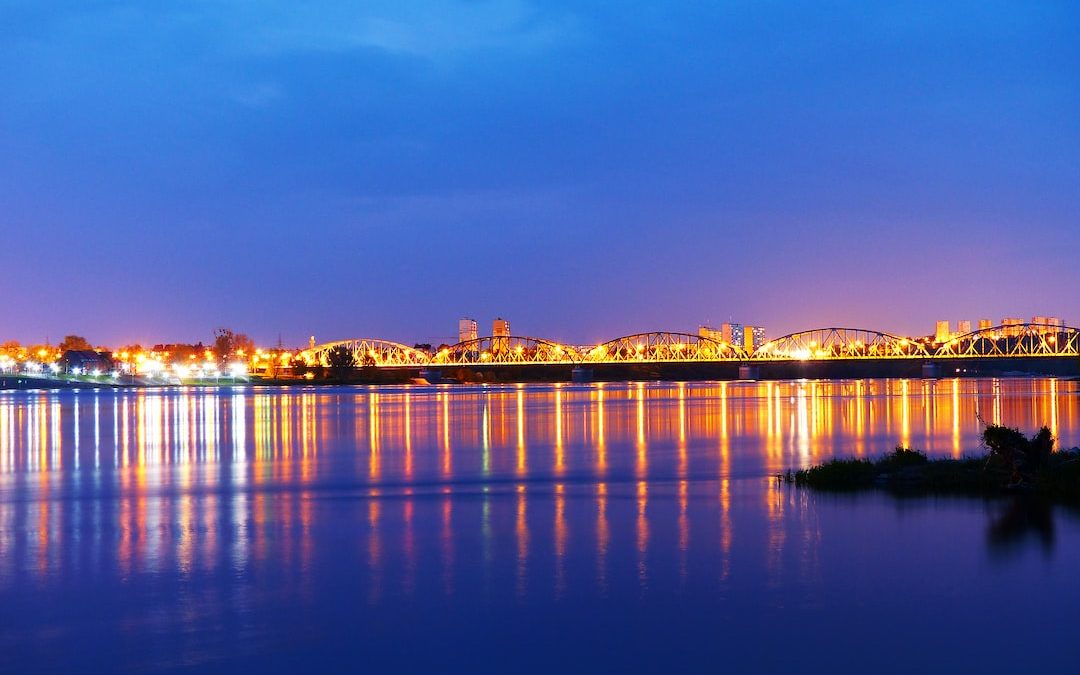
{"x":749,"y":372}
{"x":931,"y":371}
{"x":432,"y":375}
{"x":579,"y":374}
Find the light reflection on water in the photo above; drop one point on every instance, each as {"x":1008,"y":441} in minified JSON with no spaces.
{"x":195,"y":527}
{"x":404,"y":436}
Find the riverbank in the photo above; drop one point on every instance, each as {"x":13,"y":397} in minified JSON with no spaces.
{"x":34,"y":382}
{"x":1013,"y":465}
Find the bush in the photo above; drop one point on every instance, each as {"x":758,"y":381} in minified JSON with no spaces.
{"x":901,"y":458}
{"x":838,"y":474}
{"x":1014,"y":463}
{"x":1021,"y":457}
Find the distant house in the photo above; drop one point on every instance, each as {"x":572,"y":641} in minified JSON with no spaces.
{"x":86,"y":361}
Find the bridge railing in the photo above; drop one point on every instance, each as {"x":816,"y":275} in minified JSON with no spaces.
{"x":1013,"y":341}
{"x":367,"y":351}
{"x":839,"y":343}
{"x":663,"y":347}
{"x":492,"y":350}
{"x":1005,"y":341}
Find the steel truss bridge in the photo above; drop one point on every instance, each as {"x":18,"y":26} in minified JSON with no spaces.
{"x":820,"y":344}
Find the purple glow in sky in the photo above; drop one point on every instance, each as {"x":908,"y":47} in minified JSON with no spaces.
{"x":584,"y":169}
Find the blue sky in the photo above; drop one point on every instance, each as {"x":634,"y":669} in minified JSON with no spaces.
{"x":583,"y":169}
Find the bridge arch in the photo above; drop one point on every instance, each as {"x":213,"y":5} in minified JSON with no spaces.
{"x":504,"y":350}
{"x":1028,"y":339}
{"x":840,"y":343}
{"x":369,"y":351}
{"x":660,"y":346}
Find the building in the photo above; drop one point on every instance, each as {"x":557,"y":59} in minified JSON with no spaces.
{"x":86,"y":362}
{"x":942,"y":333}
{"x":500,"y":335}
{"x":1047,"y":324}
{"x":985,"y":324}
{"x":963,"y":327}
{"x":731,"y":333}
{"x":467,"y":330}
{"x":753,"y":338}
{"x":1012,"y":326}
{"x":735,"y":334}
{"x":710,"y":333}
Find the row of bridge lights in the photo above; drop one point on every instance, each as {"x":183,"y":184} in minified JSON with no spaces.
{"x":811,"y":351}
{"x":600,"y":351}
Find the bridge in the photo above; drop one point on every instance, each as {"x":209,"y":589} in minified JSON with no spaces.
{"x":821,"y":345}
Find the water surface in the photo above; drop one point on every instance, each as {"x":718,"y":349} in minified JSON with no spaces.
{"x":630,"y":526}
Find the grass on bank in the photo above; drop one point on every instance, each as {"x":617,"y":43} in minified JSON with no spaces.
{"x":1013,"y":463}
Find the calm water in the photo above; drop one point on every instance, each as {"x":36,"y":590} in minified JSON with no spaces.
{"x":623,"y":527}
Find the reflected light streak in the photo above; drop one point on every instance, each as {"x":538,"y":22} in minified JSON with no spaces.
{"x":601,"y":445}
{"x":560,"y":539}
{"x":603,"y":536}
{"x":374,"y":460}
{"x":957,"y":451}
{"x":560,"y":450}
{"x":374,"y":545}
{"x":446,"y":541}
{"x":447,"y":457}
{"x":521,"y":531}
{"x":522,"y":460}
{"x":642,"y":533}
{"x":641,"y":466}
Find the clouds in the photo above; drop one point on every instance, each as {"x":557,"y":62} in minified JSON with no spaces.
{"x":583,"y":150}
{"x":430,"y":30}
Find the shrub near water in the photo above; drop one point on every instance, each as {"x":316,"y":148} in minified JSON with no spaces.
{"x":1013,"y":463}
{"x":836,"y":474}
{"x":901,"y":458}
{"x":846,"y":474}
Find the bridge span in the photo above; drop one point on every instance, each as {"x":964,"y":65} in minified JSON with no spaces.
{"x":1006,"y":341}
{"x":821,"y":352}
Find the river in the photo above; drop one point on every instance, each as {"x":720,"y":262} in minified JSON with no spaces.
{"x":631,"y":527}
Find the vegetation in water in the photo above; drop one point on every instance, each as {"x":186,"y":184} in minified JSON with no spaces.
{"x":1013,"y":463}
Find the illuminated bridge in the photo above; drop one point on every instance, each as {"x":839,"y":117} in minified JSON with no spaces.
{"x":821,"y":352}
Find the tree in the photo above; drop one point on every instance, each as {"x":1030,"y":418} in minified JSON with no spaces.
{"x":227,"y":343}
{"x":341,"y":360}
{"x":72,"y":343}
{"x":1020,"y":457}
{"x":12,"y":349}
{"x":44,"y":353}
{"x":299,"y":366}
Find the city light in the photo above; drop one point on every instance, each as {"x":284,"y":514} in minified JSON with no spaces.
{"x":188,"y":363}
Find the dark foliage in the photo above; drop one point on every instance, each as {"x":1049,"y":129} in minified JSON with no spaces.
{"x":1015,"y":463}
{"x":227,"y":343}
{"x":341,"y":360}
{"x":1021,"y":457}
{"x":74,"y":343}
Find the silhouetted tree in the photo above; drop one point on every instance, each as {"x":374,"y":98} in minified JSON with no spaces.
{"x":74,"y":343}
{"x":341,"y":360}
{"x":227,"y":343}
{"x":1020,"y":457}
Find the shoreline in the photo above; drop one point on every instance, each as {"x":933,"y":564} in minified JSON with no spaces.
{"x":1012,"y":466}
{"x":32,"y":382}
